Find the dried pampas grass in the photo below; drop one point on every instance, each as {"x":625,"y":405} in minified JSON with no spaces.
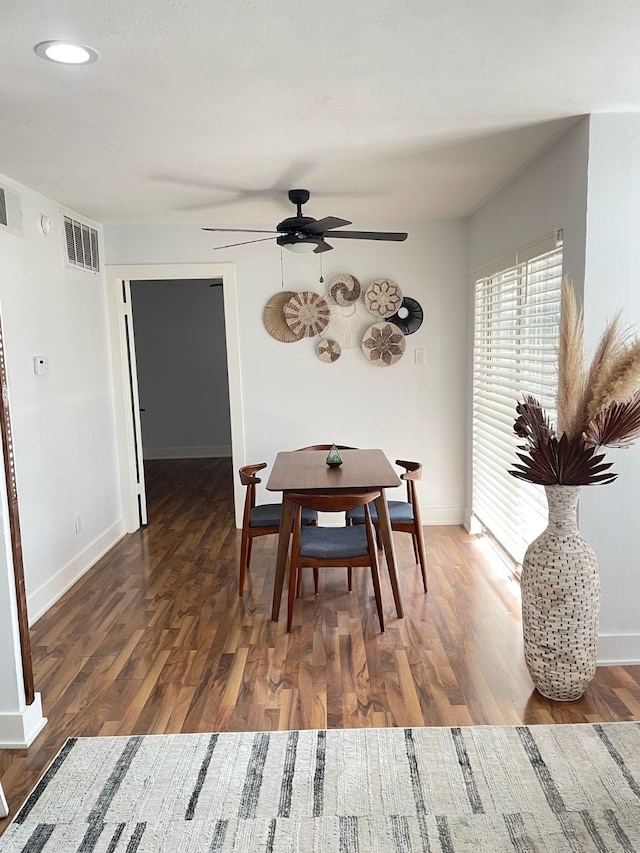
{"x":570,"y":367}
{"x":612,"y":377}
{"x":621,"y":380}
{"x":608,"y":351}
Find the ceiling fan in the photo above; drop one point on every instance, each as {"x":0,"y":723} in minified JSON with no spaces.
{"x":304,"y":234}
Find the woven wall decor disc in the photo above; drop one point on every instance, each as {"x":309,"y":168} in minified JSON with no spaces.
{"x":348,"y":325}
{"x":307,"y":312}
{"x":328,"y":351}
{"x":383,"y":344}
{"x":344,"y":289}
{"x":383,"y":297}
{"x":409,"y":316}
{"x":273,"y":318}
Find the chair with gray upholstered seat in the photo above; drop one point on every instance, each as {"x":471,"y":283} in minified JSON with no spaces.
{"x":261,"y":519}
{"x":319,"y":547}
{"x":404,"y":515}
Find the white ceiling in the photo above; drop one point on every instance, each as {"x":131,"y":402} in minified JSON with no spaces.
{"x":387,"y":110}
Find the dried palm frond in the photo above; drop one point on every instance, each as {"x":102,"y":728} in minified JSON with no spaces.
{"x":570,"y":364}
{"x":532,"y":422}
{"x":616,"y":426}
{"x":564,"y":462}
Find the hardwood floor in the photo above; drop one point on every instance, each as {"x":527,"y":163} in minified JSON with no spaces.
{"x":155,"y":639}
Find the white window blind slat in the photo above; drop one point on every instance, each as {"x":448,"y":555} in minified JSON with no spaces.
{"x":517,"y":313}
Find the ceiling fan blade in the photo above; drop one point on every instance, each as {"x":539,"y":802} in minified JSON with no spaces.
{"x":245,"y":243}
{"x":243,"y":230}
{"x":396,"y":236}
{"x":325,"y":224}
{"x":322,"y":247}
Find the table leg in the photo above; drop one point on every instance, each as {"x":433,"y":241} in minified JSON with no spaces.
{"x":384,"y":525}
{"x":286,"y":520}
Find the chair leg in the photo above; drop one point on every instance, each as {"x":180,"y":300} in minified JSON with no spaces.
{"x":375,"y":577}
{"x":244,"y":560}
{"x":316,"y":580}
{"x":294,"y":573}
{"x":422,"y":557}
{"x":414,"y":537}
{"x":299,"y":584}
{"x":378,"y":539}
{"x":350,"y":577}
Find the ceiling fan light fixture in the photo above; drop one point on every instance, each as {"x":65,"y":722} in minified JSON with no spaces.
{"x":300,"y":248}
{"x":300,"y":244}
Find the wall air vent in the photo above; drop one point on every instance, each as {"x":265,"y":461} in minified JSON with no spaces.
{"x":10,"y":211}
{"x":81,"y":242}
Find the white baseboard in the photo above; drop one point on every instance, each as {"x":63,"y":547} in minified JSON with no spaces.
{"x":19,"y":729}
{"x":614,"y":649}
{"x":41,"y":599}
{"x":214,"y":451}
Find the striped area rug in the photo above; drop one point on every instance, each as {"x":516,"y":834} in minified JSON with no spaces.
{"x":485,"y":788}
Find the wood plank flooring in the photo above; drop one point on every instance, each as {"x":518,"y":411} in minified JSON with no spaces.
{"x":155,"y":639}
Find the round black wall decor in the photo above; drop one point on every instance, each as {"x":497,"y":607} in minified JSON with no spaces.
{"x":409,"y":316}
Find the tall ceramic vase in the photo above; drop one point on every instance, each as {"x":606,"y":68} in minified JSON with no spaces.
{"x":560,"y":602}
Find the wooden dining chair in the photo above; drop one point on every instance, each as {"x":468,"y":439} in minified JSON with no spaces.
{"x":260,"y":519}
{"x":315,"y":571}
{"x":404,"y":515}
{"x":319,"y":547}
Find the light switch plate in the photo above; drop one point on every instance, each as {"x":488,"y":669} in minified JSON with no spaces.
{"x":40,"y":365}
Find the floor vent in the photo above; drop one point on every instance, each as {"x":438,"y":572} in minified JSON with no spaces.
{"x":82,"y":245}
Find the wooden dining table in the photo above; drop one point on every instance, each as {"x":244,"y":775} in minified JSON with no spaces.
{"x":306,"y":470}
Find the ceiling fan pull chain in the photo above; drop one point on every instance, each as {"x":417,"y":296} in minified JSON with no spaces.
{"x":321,"y":279}
{"x":281,"y":269}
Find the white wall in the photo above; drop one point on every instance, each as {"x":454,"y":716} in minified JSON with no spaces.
{"x":609,"y":514}
{"x":63,"y":423}
{"x":181,"y":357}
{"x":292,"y":399}
{"x":550,"y":193}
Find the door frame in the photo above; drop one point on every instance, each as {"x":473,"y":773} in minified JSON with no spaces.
{"x":115,"y":275}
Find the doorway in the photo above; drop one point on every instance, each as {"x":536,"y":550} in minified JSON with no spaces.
{"x":126,"y":386}
{"x":181,"y":359}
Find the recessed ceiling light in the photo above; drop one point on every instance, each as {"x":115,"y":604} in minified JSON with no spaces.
{"x":66,"y":52}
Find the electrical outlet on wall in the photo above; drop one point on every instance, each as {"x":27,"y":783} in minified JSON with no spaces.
{"x":77,"y":523}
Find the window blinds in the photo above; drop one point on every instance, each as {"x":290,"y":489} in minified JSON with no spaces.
{"x":517,"y":314}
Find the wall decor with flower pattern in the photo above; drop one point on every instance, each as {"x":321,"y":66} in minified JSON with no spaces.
{"x":376,"y":319}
